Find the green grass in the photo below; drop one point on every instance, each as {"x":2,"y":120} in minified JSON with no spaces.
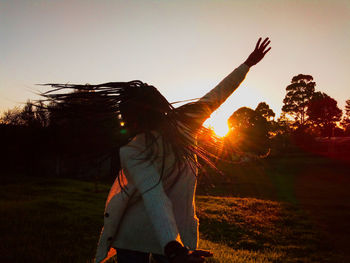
{"x":253,"y":230}
{"x":49,"y":220}
{"x":59,"y":220}
{"x":314,"y":187}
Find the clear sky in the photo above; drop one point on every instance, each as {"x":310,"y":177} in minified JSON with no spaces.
{"x":184,"y":48}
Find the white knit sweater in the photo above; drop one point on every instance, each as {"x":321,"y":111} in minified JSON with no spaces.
{"x":159,"y":216}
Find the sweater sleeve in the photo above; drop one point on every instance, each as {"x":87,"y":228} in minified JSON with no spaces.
{"x":204,"y":107}
{"x":145,"y":176}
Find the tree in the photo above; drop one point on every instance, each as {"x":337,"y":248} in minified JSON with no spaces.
{"x":249,"y":131}
{"x":283,"y":124}
{"x":347,"y":108}
{"x":23,"y":132}
{"x":12,"y":117}
{"x":323,"y":112}
{"x":42,"y":116}
{"x":264,"y":110}
{"x":299,"y":94}
{"x":85,"y":129}
{"x":30,"y":116}
{"x":281,"y":129}
{"x":346,"y":119}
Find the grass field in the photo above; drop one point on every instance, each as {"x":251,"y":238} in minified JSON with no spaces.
{"x":316,"y":186}
{"x":274,"y":211}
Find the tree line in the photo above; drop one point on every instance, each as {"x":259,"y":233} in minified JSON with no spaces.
{"x":53,"y":141}
{"x":307,"y":116}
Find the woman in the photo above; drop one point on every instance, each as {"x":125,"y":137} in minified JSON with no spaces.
{"x":150,"y":208}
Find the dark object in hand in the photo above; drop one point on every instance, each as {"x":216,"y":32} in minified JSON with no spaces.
{"x":176,"y":253}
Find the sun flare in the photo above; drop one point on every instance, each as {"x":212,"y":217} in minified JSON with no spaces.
{"x":219,"y":125}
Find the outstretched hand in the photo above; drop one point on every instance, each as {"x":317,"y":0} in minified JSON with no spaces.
{"x":258,"y":53}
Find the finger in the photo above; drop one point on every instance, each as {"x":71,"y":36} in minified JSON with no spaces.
{"x":264,"y":46}
{"x":264,"y":42}
{"x":267,"y":50}
{"x":257,"y":44}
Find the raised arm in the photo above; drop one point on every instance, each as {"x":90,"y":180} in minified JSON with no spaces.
{"x":203,"y":108}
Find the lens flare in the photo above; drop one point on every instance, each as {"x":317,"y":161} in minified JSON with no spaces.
{"x":219,"y":125}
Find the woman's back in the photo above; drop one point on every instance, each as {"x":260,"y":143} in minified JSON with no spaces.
{"x":166,"y":211}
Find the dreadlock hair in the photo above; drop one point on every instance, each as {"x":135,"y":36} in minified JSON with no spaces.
{"x":131,"y":108}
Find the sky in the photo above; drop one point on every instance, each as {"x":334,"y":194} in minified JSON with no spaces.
{"x":184,"y":48}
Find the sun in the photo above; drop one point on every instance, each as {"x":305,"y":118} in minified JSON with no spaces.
{"x":219,"y":125}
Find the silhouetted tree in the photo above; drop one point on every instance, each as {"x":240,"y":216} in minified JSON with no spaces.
{"x":299,"y":94}
{"x":281,"y":130}
{"x":24,"y":144}
{"x":84,"y":131}
{"x":283,"y":124}
{"x":249,"y":131}
{"x":346,"y":118}
{"x":30,"y":116}
{"x":41,"y":114}
{"x":323,"y":112}
{"x":264,"y":110}
{"x":12,"y":117}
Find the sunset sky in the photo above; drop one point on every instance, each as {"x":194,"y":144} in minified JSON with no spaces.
{"x":184,"y":48}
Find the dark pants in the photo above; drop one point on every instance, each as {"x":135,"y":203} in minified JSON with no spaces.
{"x":130,"y":256}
